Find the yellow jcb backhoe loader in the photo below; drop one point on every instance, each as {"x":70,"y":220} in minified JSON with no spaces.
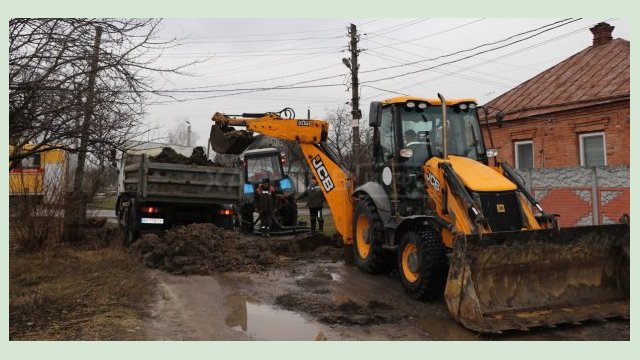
{"x":449,"y":221}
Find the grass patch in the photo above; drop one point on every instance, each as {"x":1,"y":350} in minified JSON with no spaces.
{"x":108,"y":203}
{"x":329,"y":228}
{"x":77,"y":294}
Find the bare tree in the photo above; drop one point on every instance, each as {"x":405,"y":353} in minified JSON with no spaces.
{"x":340,"y":138}
{"x":51,"y":97}
{"x":80,"y":85}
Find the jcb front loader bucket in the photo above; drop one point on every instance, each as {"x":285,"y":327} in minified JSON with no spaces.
{"x":225,"y":139}
{"x":524,"y":279}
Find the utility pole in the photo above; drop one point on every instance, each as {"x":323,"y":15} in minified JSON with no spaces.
{"x":356,"y":114}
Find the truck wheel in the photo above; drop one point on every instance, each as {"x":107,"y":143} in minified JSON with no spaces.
{"x":422,"y":263}
{"x":368,"y":237}
{"x":131,"y":231}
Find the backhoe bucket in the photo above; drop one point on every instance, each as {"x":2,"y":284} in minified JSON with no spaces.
{"x":524,"y":279}
{"x":225,"y":139}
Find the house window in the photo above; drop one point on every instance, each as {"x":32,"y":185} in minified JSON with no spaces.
{"x":592,"y":149}
{"x":524,"y":154}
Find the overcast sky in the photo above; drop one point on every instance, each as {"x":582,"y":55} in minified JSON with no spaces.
{"x":241,"y":57}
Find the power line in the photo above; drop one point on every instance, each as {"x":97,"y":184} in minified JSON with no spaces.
{"x":267,"y":34}
{"x":398,"y":60}
{"x":482,"y":45}
{"x":398,"y":42}
{"x":295,"y":85}
{"x":249,"y":91}
{"x":463,"y":58}
{"x":394,"y":28}
{"x":260,"y":80}
{"x":519,"y":50}
{"x":259,"y":40}
{"x":467,"y":77}
{"x":386,"y":90}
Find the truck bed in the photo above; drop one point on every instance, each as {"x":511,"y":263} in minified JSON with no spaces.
{"x":192,"y":184}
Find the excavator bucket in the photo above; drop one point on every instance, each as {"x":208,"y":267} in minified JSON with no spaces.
{"x":225,"y":139}
{"x":525,"y":279}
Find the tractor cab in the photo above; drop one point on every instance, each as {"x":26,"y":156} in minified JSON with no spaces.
{"x":259,"y":164}
{"x":266,"y":163}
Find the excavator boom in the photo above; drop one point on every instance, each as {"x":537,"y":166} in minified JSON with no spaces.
{"x":336,"y":181}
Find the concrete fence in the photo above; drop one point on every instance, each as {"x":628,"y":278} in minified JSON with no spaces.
{"x":581,"y":196}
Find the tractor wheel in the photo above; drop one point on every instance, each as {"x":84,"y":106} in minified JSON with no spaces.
{"x":422,"y":263}
{"x":368,"y":237}
{"x":289,"y":212}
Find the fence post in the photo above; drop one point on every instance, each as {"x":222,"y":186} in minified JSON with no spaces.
{"x":595,"y":201}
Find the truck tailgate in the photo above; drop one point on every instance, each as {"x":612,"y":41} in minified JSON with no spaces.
{"x":155,"y":181}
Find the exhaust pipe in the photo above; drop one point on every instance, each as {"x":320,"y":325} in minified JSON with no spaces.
{"x":444,"y":126}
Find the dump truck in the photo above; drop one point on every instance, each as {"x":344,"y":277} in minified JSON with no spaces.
{"x":454,"y":225}
{"x":154,"y":196}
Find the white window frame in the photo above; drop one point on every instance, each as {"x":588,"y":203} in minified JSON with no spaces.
{"x":515,"y":149}
{"x":592,"y":134}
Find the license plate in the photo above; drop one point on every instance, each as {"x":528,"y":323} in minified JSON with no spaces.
{"x":152,"y":221}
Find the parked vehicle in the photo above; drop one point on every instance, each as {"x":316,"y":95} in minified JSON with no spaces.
{"x":155,"y":196}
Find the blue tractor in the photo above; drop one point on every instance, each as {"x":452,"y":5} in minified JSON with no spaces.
{"x":259,"y":164}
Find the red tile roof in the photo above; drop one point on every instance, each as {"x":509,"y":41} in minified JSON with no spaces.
{"x":593,"y":76}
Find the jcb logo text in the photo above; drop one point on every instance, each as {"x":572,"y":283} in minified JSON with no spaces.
{"x":323,"y":174}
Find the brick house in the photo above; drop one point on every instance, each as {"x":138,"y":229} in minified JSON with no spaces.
{"x":571,"y":118}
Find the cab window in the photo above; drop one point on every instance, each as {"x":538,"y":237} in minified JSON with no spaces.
{"x":387,"y":143}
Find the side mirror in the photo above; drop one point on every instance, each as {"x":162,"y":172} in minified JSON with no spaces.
{"x":375,"y":114}
{"x":406,"y":153}
{"x":499,"y":118}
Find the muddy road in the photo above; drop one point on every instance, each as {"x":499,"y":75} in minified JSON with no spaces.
{"x":319,"y":299}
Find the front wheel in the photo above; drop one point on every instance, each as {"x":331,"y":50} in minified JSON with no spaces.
{"x":368,"y":237}
{"x":422,"y":264}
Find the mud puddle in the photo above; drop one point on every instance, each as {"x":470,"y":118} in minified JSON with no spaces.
{"x":265,"y":322}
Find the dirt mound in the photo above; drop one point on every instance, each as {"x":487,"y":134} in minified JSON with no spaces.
{"x":331,"y":311}
{"x":198,"y":157}
{"x":205,"y":249}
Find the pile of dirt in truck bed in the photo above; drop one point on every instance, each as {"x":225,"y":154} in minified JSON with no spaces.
{"x":169,"y":155}
{"x":205,"y":249}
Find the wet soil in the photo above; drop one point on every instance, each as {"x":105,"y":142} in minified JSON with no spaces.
{"x":305,"y":292}
{"x":204,"y":249}
{"x":321,"y":301}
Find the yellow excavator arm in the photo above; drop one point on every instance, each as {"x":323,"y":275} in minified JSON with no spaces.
{"x":336,"y":181}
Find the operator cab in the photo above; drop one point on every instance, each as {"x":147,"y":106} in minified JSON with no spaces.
{"x":408,"y":132}
{"x":411,"y":128}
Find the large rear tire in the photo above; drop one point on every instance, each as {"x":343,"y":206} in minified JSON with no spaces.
{"x":422,"y":263}
{"x":368,"y":237}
